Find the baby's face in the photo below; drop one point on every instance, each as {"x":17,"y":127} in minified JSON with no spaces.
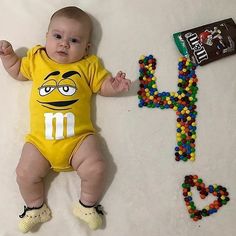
{"x":67,"y":40}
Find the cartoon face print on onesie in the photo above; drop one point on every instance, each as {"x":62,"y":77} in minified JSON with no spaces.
{"x":59,"y":94}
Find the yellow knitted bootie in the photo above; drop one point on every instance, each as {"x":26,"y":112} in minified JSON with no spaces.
{"x":90,"y":215}
{"x":32,"y":217}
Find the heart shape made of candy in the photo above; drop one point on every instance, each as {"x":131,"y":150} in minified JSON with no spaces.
{"x":220,"y":192}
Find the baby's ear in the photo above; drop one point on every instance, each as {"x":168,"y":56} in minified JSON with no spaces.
{"x":88,"y":46}
{"x":87,"y":49}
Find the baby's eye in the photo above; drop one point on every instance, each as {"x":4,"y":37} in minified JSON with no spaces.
{"x":74,"y":40}
{"x":57,"y":36}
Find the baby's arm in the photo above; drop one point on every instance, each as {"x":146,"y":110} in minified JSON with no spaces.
{"x":113,"y":86}
{"x":10,"y":60}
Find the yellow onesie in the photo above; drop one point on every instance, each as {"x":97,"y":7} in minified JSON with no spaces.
{"x":60,"y":103}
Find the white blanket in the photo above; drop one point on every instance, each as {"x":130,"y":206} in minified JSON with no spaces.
{"x":144,"y":193}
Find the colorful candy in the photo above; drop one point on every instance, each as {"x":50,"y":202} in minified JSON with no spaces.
{"x":221,"y":194}
{"x":182,"y":102}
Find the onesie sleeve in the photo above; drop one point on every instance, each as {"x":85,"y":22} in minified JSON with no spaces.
{"x":27,"y":62}
{"x":97,"y":74}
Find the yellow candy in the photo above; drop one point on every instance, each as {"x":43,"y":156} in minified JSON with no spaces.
{"x":192,"y":155}
{"x":142,"y":57}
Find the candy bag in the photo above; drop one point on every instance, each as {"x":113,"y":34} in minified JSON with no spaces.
{"x":207,"y":43}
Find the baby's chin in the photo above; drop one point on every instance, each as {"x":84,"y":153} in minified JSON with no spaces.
{"x":62,"y":61}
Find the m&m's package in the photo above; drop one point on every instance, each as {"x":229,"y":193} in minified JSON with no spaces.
{"x":207,"y":43}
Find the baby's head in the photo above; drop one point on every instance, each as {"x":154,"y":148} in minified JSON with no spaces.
{"x":68,"y":36}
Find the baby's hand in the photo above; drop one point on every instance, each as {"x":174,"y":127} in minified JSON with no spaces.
{"x":5,"y":48}
{"x":120,"y":83}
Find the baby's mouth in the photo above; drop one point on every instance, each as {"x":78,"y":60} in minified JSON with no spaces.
{"x":62,"y":53}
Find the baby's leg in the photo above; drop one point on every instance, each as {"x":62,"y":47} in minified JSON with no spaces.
{"x":31,"y":170}
{"x":90,"y":166}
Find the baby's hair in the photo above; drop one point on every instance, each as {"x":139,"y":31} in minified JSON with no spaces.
{"x":71,"y":12}
{"x":74,"y":13}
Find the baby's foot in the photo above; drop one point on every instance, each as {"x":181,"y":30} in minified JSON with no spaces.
{"x":90,"y":215}
{"x":33,"y":216}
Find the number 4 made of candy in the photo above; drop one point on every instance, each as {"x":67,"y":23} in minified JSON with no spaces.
{"x":182,"y":102}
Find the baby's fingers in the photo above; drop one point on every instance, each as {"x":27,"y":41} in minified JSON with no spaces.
{"x":5,"y":48}
{"x":126,"y":85}
{"x":120,"y":76}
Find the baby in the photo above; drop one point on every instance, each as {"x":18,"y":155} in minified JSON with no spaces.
{"x":64,"y":77}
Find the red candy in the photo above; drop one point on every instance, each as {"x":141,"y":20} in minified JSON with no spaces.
{"x":217,"y":190}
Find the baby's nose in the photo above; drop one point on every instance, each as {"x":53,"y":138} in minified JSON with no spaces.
{"x":65,"y":43}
